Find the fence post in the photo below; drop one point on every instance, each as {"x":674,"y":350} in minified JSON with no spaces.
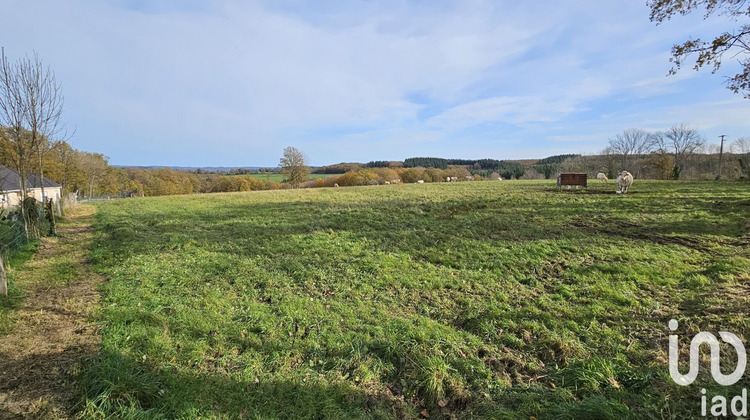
{"x":3,"y":278}
{"x":51,"y":218}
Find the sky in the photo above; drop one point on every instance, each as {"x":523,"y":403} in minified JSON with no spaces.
{"x":233,"y":82}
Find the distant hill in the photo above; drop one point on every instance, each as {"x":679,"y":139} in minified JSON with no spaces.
{"x":556,"y":159}
{"x":347,"y":166}
{"x":524,"y":161}
{"x":193,"y":168}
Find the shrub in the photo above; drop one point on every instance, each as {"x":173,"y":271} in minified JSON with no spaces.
{"x":411,"y":175}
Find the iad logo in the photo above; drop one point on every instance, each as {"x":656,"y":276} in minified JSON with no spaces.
{"x":720,"y":405}
{"x":710,"y":339}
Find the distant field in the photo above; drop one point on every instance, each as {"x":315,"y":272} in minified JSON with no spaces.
{"x":282,"y":177}
{"x":461,"y":300}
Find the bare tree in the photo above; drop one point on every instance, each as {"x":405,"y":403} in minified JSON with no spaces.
{"x":294,"y":165}
{"x":741,"y":147}
{"x":631,"y":143}
{"x":44,"y":103}
{"x":30,"y":108}
{"x":682,"y":141}
{"x":19,"y":149}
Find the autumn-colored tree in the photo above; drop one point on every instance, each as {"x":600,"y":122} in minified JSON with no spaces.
{"x":62,"y":164}
{"x":459,"y":172}
{"x":411,"y":175}
{"x":733,"y":43}
{"x":662,"y":163}
{"x":232,"y":183}
{"x":116,"y":182}
{"x":94,"y":168}
{"x":293,"y":164}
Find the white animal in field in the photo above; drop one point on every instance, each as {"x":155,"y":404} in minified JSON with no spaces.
{"x":387,"y":182}
{"x":624,"y":181}
{"x":421,"y":181}
{"x":336,"y":185}
{"x":601,"y":177}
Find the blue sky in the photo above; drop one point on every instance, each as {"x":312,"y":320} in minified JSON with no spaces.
{"x":231,"y":83}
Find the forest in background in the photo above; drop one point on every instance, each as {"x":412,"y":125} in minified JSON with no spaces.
{"x":89,"y":174}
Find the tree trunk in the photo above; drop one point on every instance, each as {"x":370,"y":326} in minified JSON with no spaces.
{"x":41,"y":182}
{"x":22,"y":187}
{"x":51,"y":218}
{"x":3,"y":279}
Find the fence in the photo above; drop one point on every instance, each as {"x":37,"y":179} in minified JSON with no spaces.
{"x":12,"y":233}
{"x":97,"y":198}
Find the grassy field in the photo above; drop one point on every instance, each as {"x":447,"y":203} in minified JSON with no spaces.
{"x":281,"y":177}
{"x":462,"y":300}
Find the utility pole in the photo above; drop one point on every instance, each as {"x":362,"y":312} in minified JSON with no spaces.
{"x":721,"y":154}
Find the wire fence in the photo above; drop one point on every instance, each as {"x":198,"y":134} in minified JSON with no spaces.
{"x":97,"y":198}
{"x":12,"y":232}
{"x":12,"y":235}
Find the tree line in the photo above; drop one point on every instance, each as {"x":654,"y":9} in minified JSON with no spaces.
{"x":510,"y":167}
{"x":482,"y":167}
{"x":679,"y":152}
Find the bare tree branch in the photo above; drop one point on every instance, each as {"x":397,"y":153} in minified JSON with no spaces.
{"x":31,"y":105}
{"x":735,"y":44}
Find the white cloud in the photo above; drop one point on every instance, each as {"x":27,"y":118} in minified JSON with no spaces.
{"x":227,"y":82}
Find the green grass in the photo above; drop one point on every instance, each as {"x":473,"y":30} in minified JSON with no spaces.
{"x":281,"y":177}
{"x":52,"y":271}
{"x":14,"y":258}
{"x":471,"y":300}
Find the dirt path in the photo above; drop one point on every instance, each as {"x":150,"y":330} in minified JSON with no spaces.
{"x":53,"y":336}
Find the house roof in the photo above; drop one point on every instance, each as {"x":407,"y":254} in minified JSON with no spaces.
{"x":10,"y":180}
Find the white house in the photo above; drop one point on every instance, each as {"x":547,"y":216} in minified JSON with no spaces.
{"x":10,"y":188}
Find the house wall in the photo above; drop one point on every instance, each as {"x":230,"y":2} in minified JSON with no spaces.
{"x":10,"y":199}
{"x":13,"y":198}
{"x":49,"y":192}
